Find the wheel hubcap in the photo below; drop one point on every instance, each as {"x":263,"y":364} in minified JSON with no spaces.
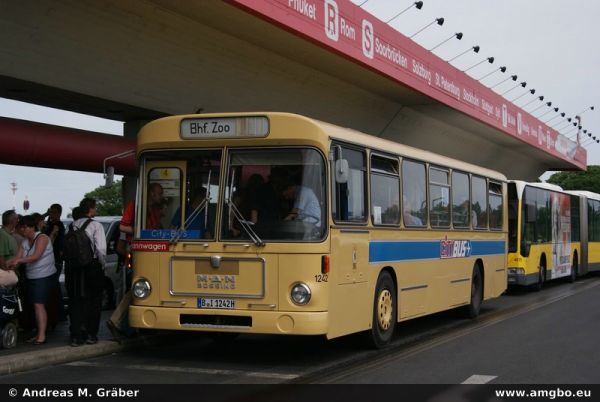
{"x":384,"y":310}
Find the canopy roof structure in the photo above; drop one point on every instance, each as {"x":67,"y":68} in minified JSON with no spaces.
{"x":330,"y":60}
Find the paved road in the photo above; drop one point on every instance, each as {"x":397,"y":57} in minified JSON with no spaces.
{"x":553,"y":344}
{"x":524,"y":337}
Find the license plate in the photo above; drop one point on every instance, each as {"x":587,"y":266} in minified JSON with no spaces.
{"x":216,"y":303}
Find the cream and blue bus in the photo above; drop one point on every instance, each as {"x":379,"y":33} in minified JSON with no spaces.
{"x":276,"y":223}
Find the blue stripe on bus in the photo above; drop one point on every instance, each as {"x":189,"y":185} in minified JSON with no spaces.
{"x":380,"y":251}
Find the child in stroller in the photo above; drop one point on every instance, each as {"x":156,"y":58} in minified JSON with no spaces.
{"x":9,"y":310}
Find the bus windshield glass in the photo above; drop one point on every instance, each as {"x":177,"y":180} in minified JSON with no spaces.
{"x":274,"y":195}
{"x":182,"y":192}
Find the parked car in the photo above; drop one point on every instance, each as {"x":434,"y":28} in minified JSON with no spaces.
{"x":113,"y":275}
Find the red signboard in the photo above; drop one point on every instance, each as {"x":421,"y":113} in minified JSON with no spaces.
{"x":347,"y":29}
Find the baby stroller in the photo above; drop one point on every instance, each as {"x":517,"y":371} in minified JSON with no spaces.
{"x":10,"y":305}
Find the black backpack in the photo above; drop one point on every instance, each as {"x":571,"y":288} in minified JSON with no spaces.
{"x":78,"y":249}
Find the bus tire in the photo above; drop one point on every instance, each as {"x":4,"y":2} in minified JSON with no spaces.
{"x":574,"y":267}
{"x":472,"y":310}
{"x":384,"y":312}
{"x":541,"y":278}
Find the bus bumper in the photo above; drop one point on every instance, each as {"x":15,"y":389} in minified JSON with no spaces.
{"x":240,"y":321}
{"x":517,"y":277}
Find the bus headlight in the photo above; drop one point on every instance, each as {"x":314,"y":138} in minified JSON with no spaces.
{"x":516,"y":271}
{"x":141,"y":288}
{"x":300,"y":294}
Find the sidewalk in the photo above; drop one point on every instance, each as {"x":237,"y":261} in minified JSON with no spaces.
{"x":57,"y":350}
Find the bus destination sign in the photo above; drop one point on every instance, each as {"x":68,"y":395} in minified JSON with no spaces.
{"x":225,"y":127}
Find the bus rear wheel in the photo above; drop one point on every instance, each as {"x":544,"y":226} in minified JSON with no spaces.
{"x":384,"y":311}
{"x":574,"y":267}
{"x":474,"y":306}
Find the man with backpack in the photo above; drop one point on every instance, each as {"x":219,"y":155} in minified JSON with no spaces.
{"x":85,"y":256}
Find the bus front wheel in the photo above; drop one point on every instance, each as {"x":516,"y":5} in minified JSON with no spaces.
{"x":384,"y":311}
{"x":541,"y":278}
{"x":474,"y":306}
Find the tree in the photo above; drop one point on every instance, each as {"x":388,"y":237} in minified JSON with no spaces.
{"x":109,"y":200}
{"x":585,"y":181}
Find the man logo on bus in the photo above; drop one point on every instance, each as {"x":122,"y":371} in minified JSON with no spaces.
{"x":332,"y":20}
{"x":454,"y":248}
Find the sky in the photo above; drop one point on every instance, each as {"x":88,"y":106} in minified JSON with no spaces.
{"x":550,"y":44}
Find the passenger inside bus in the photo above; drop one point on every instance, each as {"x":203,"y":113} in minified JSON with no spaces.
{"x":306,"y":204}
{"x":155,"y":198}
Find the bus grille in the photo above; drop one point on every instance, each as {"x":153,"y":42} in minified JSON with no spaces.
{"x":214,"y":321}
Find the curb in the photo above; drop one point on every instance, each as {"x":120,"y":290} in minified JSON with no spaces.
{"x":33,"y":360}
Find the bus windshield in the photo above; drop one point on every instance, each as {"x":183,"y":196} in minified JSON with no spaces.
{"x":274,"y":195}
{"x":182,"y":192}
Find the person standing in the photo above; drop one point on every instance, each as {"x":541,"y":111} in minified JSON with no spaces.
{"x":118,"y":323}
{"x":8,"y":248}
{"x":85,"y":283}
{"x":55,"y":230}
{"x":37,"y":253}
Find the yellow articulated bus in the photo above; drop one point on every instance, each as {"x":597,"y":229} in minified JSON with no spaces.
{"x":589,"y":229}
{"x":552,"y":233}
{"x":276,"y":223}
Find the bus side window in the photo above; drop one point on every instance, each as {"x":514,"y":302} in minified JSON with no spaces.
{"x":495,"y":205}
{"x":414,"y":194}
{"x":479,"y":203}
{"x":385,"y":191}
{"x":349,"y":198}
{"x":460,"y":200}
{"x":439,"y":197}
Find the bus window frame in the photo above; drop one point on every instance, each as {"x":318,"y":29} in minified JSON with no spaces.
{"x":487,"y":213}
{"x":448,"y":185}
{"x":425,"y":225}
{"x":142,"y":188}
{"x":398,"y":161}
{"x":226,"y":165}
{"x":334,"y":144}
{"x":145,"y":193}
{"x":468,"y":176}
{"x":502,"y":189}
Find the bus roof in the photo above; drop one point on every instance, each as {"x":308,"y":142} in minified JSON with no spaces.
{"x":553,"y":187}
{"x":165,"y":131}
{"x":386,"y":146}
{"x":587,"y":194}
{"x":546,"y":186}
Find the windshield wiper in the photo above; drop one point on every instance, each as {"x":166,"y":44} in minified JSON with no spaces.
{"x":179,"y":232}
{"x":203,"y":206}
{"x":246,"y":225}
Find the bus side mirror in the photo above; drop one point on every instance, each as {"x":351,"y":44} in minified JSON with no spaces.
{"x":342,"y":171}
{"x":109,"y":176}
